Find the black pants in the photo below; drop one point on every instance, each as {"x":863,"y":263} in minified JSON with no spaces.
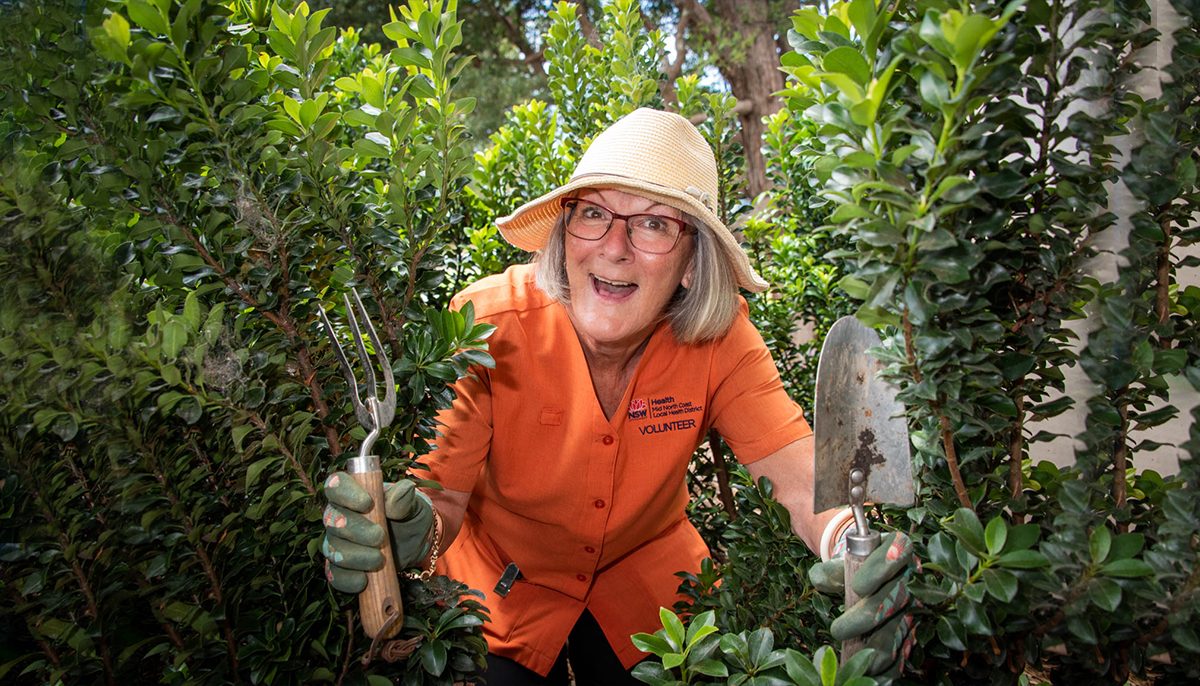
{"x":592,"y":661}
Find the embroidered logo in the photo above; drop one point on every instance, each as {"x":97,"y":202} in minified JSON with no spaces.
{"x":667,"y":407}
{"x":638,"y":408}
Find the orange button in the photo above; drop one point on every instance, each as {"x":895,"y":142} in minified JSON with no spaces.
{"x":581,"y":577}
{"x":608,"y":440}
{"x":588,"y":549}
{"x":599,"y":504}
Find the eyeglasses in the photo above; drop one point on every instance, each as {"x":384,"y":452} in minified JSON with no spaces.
{"x":651,"y":233}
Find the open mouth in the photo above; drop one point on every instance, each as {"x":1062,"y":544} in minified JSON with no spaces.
{"x":612,"y":289}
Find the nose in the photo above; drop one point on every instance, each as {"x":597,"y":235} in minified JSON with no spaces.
{"x":616,"y":242}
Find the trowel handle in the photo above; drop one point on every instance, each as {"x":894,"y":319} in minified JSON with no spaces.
{"x":853,"y":562}
{"x":380,"y":601}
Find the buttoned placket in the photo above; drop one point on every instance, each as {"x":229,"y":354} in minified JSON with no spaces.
{"x":602,"y":473}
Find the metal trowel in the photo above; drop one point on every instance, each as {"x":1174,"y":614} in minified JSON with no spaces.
{"x":862,"y":445}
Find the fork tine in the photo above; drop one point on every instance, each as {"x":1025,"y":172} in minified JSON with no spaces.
{"x":368,"y":369}
{"x":386,"y":407}
{"x":364,"y":415}
{"x":341,"y":357}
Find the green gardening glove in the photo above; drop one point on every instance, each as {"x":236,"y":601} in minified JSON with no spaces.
{"x":351,"y":545}
{"x":880,"y":616}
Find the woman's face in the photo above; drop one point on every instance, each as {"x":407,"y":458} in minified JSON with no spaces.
{"x":619,"y":293}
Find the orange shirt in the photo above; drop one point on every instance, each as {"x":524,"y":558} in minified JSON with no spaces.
{"x":590,"y":509}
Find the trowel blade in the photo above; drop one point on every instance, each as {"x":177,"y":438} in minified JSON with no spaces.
{"x":858,"y":422}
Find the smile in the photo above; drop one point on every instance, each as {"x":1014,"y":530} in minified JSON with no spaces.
{"x":612,"y":289}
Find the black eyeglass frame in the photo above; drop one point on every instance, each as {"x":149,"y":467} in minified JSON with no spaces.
{"x":569,"y":204}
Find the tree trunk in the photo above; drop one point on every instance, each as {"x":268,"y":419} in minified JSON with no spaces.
{"x":751,"y":66}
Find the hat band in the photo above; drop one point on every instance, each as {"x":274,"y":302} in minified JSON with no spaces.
{"x":703,"y":197}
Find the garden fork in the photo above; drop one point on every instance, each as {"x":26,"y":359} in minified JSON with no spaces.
{"x":380,"y":605}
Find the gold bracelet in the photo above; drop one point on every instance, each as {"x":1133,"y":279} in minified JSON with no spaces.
{"x":434,"y":550}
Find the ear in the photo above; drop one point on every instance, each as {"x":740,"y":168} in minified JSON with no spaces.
{"x":686,"y":281}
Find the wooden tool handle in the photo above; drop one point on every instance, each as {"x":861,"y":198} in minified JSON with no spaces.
{"x":853,"y":562}
{"x":381,"y":598}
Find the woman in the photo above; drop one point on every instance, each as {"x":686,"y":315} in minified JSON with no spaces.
{"x":563,"y":468}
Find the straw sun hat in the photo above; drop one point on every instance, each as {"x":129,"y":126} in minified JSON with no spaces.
{"x":653,"y":154}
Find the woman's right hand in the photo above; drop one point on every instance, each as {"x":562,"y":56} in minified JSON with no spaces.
{"x":352,"y":542}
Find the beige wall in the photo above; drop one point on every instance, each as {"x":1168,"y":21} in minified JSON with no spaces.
{"x":1166,"y":459}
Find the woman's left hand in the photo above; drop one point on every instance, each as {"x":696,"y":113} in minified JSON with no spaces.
{"x":880,"y":618}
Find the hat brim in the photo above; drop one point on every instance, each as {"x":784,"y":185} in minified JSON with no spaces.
{"x":529,"y":226}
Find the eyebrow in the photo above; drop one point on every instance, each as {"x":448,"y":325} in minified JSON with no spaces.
{"x":597,"y":194}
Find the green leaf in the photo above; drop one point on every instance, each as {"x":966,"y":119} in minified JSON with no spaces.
{"x":189,"y":410}
{"x":112,"y":38}
{"x":974,"y":32}
{"x":710,"y":667}
{"x":950,"y":632}
{"x":170,"y":374}
{"x":1105,"y":594}
{"x":847,"y":60}
{"x":862,"y":16}
{"x":370,"y":148}
{"x":673,"y":629}
{"x":1126,"y":546}
{"x":1001,"y":584}
{"x":966,"y":528}
{"x":701,"y":625}
{"x":652,"y":673}
{"x":1022,"y":536}
{"x":420,"y":88}
{"x":761,"y":642}
{"x":191,"y":311}
{"x":1003,"y":184}
{"x":117,"y":29}
{"x":934,"y":89}
{"x":1023,"y":559}
{"x":827,"y":661}
{"x":1186,"y":636}
{"x":148,"y":17}
{"x":257,"y":468}
{"x":1127,"y":569}
{"x":239,"y":434}
{"x":854,"y":287}
{"x":65,"y":426}
{"x":846,"y":84}
{"x":996,"y":535}
{"x":214,"y":323}
{"x":974,"y":617}
{"x":405,"y":57}
{"x":802,"y":670}
{"x":947,"y":266}
{"x":672,"y":660}
{"x":292,"y":107}
{"x":848,"y":211}
{"x":1082,"y":629}
{"x":948,"y":184}
{"x":309,"y":110}
{"x":174,"y":337}
{"x":1099,"y":543}
{"x":434,"y":656}
{"x":400,"y":32}
{"x":651,"y":643}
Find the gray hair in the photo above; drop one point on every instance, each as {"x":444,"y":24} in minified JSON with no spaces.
{"x":702,"y":312}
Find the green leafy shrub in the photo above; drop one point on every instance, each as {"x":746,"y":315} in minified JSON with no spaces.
{"x":968,"y":170}
{"x":185,"y":184}
{"x":700,"y":654}
{"x":744,"y":590}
